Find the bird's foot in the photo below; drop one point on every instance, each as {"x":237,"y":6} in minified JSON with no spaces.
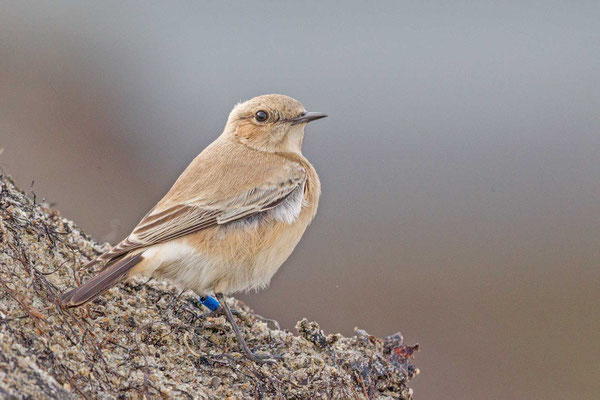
{"x":257,"y":358}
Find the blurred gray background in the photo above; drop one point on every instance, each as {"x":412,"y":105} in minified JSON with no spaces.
{"x":460,"y":162}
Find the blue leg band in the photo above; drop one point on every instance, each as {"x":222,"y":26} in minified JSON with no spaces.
{"x":209,"y":302}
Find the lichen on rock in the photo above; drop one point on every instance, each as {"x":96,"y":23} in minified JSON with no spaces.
{"x":146,"y":339}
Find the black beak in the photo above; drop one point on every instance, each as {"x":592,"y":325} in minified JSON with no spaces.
{"x":307,"y":117}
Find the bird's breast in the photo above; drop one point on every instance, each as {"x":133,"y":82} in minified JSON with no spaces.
{"x":239,"y":255}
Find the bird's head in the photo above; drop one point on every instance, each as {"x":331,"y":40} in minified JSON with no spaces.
{"x":272,"y":123}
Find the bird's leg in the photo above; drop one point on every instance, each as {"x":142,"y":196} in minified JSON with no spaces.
{"x":214,"y":312}
{"x":217,"y":312}
{"x":258,"y":358}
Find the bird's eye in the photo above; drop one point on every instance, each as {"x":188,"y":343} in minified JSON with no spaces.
{"x":261,"y":116}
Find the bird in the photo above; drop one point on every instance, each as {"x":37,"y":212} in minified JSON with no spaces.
{"x":233,"y":216}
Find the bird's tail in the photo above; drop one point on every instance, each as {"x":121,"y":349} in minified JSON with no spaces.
{"x":100,"y":283}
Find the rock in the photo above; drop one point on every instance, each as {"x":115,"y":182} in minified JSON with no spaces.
{"x":141,"y":340}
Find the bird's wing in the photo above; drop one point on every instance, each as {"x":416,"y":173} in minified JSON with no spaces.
{"x":173,"y":220}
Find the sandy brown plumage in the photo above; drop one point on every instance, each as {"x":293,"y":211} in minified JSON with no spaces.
{"x":232,"y":217}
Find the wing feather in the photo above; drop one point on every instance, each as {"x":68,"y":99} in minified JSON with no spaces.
{"x":176,"y":220}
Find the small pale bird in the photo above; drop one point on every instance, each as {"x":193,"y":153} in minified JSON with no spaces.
{"x":233,"y":216}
